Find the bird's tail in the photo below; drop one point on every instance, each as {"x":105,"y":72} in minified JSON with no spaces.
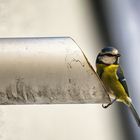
{"x":135,"y":114}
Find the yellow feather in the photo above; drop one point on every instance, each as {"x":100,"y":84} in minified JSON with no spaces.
{"x":111,"y":82}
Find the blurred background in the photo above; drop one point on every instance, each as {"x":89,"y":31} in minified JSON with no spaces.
{"x":93,"y":24}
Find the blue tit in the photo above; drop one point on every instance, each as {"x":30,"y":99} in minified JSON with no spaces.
{"x":111,"y":74}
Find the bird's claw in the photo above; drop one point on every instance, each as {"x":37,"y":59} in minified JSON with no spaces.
{"x":105,"y":106}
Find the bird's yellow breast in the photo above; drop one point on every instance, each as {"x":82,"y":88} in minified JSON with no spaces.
{"x":111,"y":82}
{"x":109,"y":73}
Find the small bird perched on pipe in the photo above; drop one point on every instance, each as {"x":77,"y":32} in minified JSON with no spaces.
{"x":110,"y":72}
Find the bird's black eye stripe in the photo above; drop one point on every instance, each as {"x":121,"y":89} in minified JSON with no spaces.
{"x":110,"y":55}
{"x":107,"y":54}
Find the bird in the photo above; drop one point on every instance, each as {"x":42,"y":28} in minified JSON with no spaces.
{"x":112,"y":76}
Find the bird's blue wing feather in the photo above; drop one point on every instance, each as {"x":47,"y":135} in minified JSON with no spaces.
{"x":122,"y":79}
{"x":99,"y":70}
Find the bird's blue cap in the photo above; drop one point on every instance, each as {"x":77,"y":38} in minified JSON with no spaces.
{"x":109,"y":50}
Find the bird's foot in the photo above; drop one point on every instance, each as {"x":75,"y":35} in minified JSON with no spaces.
{"x":106,"y":106}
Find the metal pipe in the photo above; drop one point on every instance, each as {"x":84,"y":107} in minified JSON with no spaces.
{"x":47,"y":71}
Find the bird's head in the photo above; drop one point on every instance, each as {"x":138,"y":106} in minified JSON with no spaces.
{"x":108,"y":56}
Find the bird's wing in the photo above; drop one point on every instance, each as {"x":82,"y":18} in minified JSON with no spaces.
{"x":99,"y":70}
{"x":122,"y":79}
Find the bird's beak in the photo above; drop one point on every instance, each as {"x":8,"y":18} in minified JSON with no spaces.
{"x":119,"y":55}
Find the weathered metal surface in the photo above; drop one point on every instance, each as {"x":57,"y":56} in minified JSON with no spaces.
{"x":47,"y":71}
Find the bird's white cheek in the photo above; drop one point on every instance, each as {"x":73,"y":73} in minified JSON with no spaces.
{"x":108,"y":59}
